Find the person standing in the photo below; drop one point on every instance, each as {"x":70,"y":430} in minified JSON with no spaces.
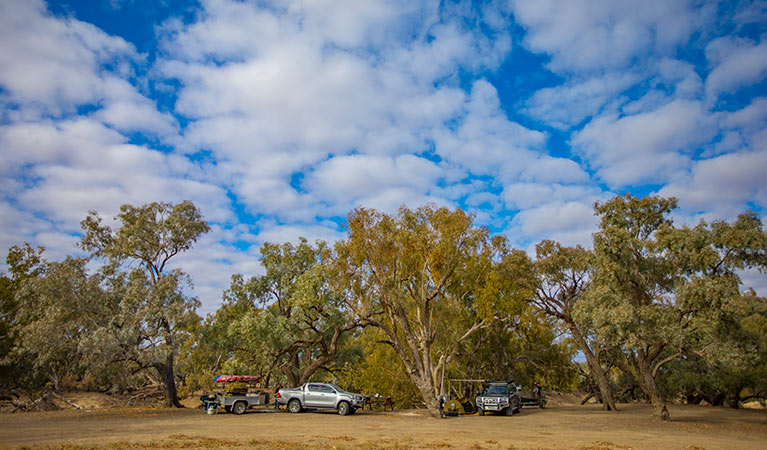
{"x":276,"y":391}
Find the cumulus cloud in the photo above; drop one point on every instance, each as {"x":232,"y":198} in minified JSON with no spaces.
{"x":485,"y":142}
{"x":596,"y":35}
{"x":570,"y":223}
{"x":304,"y":91}
{"x":568,"y":104}
{"x":736,"y":63}
{"x":644,"y":148}
{"x":52,"y":63}
{"x":722,"y":186}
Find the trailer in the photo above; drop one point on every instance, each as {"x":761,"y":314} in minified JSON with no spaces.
{"x":534,"y":397}
{"x":236,"y":394}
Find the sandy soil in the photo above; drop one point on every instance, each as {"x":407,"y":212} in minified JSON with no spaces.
{"x":558,"y":427}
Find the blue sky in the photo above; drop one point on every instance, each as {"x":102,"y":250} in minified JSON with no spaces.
{"x":278,"y":117}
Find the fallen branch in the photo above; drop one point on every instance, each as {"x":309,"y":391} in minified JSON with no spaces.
{"x":68,"y":402}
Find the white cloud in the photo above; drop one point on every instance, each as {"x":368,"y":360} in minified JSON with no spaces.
{"x":649,"y":147}
{"x":485,"y":142}
{"x":568,"y":104}
{"x":682,"y":76}
{"x":723,"y":185}
{"x":529,"y":195}
{"x":53,"y":63}
{"x":737,"y":63}
{"x":304,"y":91}
{"x":570,"y":223}
{"x":342,"y":181}
{"x":598,"y":35}
{"x":292,"y":233}
{"x":752,"y":278}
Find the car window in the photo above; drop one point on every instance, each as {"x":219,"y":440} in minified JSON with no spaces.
{"x":315,"y":387}
{"x":324,"y":388}
{"x":496,"y":389}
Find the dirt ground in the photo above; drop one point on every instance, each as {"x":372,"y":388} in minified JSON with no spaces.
{"x":563,"y":426}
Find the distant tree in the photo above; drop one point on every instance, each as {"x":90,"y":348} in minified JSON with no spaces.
{"x":662,"y":292}
{"x":153,"y":308}
{"x":563,"y":275}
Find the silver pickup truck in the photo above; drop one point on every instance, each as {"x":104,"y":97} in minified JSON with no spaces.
{"x":320,"y":396}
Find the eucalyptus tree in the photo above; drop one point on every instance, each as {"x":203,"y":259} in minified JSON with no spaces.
{"x":149,"y":321}
{"x":24,"y":262}
{"x":427,"y":279}
{"x":660,"y":291}
{"x":292,"y":320}
{"x":563,"y":275}
{"x":49,"y":307}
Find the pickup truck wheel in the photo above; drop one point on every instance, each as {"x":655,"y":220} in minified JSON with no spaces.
{"x":294,"y":406}
{"x":344,"y":409}
{"x":239,"y":408}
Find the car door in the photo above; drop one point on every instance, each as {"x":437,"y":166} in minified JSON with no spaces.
{"x":329,"y":396}
{"x":313,"y":397}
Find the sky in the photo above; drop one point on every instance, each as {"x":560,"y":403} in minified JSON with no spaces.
{"x":277,"y":118}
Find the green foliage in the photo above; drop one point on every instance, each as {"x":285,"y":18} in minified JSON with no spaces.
{"x":427,"y":279}
{"x":152,"y":316}
{"x":663,"y":292}
{"x":56,"y":303}
{"x":151,"y":234}
{"x":287,"y":323}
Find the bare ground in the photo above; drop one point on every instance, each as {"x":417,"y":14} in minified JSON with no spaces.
{"x":562,"y":426}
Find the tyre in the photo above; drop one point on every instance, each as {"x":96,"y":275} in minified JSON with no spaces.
{"x":481,"y":411}
{"x":294,"y":406}
{"x":344,"y":409}
{"x":239,"y":408}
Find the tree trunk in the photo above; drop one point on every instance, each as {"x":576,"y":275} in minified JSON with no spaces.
{"x":290,"y":370}
{"x":650,"y":387}
{"x":169,"y":383}
{"x":426,"y":388}
{"x":606,"y":391}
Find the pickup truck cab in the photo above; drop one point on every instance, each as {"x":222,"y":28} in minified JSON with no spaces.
{"x":499,"y":396}
{"x":320,"y":396}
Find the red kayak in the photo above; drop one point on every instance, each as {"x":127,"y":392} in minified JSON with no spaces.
{"x":232,"y":378}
